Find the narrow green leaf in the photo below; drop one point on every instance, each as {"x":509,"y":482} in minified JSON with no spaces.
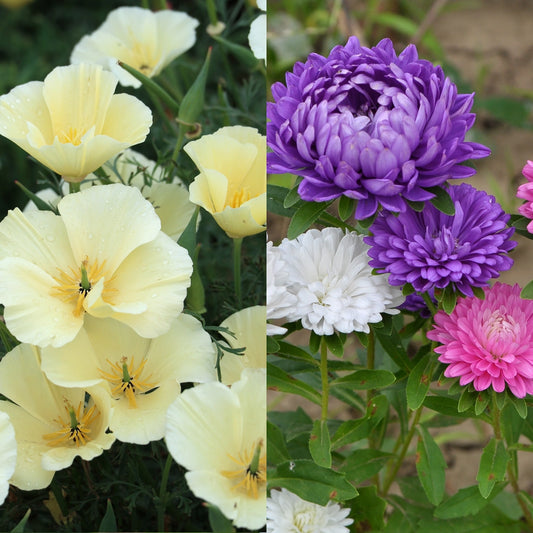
{"x":320,"y":444}
{"x":314,"y":342}
{"x":109,"y":522}
{"x":275,"y":199}
{"x":442,"y":200}
{"x":430,"y":465}
{"x":408,"y":289}
{"x":346,"y":207}
{"x":418,"y":382}
{"x":280,"y":380}
{"x":392,"y":344}
{"x":39,"y":202}
{"x":276,"y":445}
{"x":296,"y":353}
{"x":363,"y":464}
{"x":449,"y":299}
{"x":396,"y":22}
{"x":311,"y":482}
{"x":218,"y":521}
{"x":492,"y":466}
{"x":20,"y":527}
{"x":305,"y":217}
{"x":483,"y":399}
{"x":365,"y":223}
{"x":292,"y":197}
{"x":368,"y":507}
{"x":349,"y":432}
{"x":242,"y":53}
{"x":448,"y":406}
{"x":335,"y":345}
{"x":416,"y":206}
{"x":466,"y":400}
{"x":520,"y":406}
{"x":366,"y":379}
{"x":467,"y":501}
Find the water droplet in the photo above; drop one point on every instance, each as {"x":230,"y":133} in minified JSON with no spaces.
{"x":154,"y":295}
{"x":165,"y":262}
{"x":90,"y":236}
{"x":50,"y":238}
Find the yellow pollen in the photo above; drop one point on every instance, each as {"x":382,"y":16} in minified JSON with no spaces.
{"x":73,"y":286}
{"x":239,"y":197}
{"x":76,"y":430}
{"x":71,"y":136}
{"x":250,"y":473}
{"x":125,"y":379}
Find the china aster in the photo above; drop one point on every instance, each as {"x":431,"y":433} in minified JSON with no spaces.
{"x":430,"y":249}
{"x":371,"y":125}
{"x":488,"y":342}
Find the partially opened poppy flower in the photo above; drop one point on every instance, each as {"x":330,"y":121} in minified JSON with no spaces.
{"x":53,"y":425}
{"x":232,"y":180}
{"x":142,"y":376}
{"x":144,"y":40}
{"x":72,"y":122}
{"x":104,"y":255}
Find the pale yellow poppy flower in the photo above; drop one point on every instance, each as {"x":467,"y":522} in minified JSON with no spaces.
{"x":72,"y":122}
{"x":145,"y":40}
{"x":249,"y":327}
{"x":170,"y":200}
{"x":53,"y":425}
{"x":8,"y":454}
{"x":218,"y":433}
{"x":104,"y":255}
{"x":232,"y":180}
{"x":142,"y":376}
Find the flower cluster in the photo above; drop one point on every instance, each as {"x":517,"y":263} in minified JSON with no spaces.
{"x":370,"y":125}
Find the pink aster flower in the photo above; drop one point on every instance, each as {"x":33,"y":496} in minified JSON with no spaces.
{"x":489,"y":342}
{"x":525,"y":191}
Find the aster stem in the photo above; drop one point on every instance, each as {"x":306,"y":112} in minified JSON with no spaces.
{"x":389,"y":479}
{"x":429,"y":303}
{"x":237,"y":246}
{"x":324,"y":376}
{"x":163,"y":495}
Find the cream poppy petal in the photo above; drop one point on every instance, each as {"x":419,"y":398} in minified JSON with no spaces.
{"x":78,"y":97}
{"x":14,"y":118}
{"x":91,"y":215}
{"x":240,"y":221}
{"x":209,"y":190}
{"x":169,"y":267}
{"x":146,"y":422}
{"x":169,"y":25}
{"x":8,"y":454}
{"x":127,"y":119}
{"x":251,"y":512}
{"x":32,"y":313}
{"x":39,"y":237}
{"x":184,"y":352}
{"x":28,"y":474}
{"x":195,"y":418}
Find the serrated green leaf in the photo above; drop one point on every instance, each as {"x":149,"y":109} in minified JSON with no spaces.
{"x":430,"y":465}
{"x":442,"y":200}
{"x":304,"y":217}
{"x":335,"y":345}
{"x":311,"y":482}
{"x":346,"y":207}
{"x":365,"y":379}
{"x":492,"y":466}
{"x":280,"y":380}
{"x":465,"y":502}
{"x":320,"y":444}
{"x":418,"y":382}
{"x":276,"y":445}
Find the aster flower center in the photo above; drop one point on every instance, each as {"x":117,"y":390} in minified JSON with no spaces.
{"x":239,"y":197}
{"x":250,"y":473}
{"x":502,"y":327}
{"x":71,"y":136}
{"x":125,"y":379}
{"x":75,"y":285}
{"x":303,"y":518}
{"x":75,"y":431}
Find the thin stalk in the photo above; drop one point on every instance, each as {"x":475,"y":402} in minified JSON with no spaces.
{"x":163,"y":495}
{"x":237,"y":246}
{"x":429,"y":303}
{"x":405,"y":448}
{"x":324,"y":376}
{"x":56,"y":489}
{"x":73,"y":187}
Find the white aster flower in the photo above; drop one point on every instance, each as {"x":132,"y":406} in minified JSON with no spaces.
{"x":8,"y":454}
{"x":288,"y":513}
{"x":279,"y":300}
{"x":248,"y":325}
{"x":104,"y":255}
{"x":335,"y":289}
{"x":218,"y":433}
{"x":142,"y":376}
{"x":257,"y":37}
{"x":145,"y":40}
{"x":53,"y":425}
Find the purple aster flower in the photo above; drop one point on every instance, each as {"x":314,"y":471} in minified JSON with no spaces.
{"x":370,"y":125}
{"x":429,"y":249}
{"x":416,"y":304}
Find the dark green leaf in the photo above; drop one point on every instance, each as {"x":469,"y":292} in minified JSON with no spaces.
{"x":449,"y":299}
{"x":527,"y":291}
{"x":366,"y":379}
{"x":519,"y":405}
{"x":296,"y":353}
{"x":218,"y":521}
{"x":335,"y":345}
{"x":319,"y":444}
{"x":492,"y":466}
{"x":483,"y":399}
{"x":367,"y":508}
{"x":314,"y":342}
{"x":305,"y":217}
{"x":292,"y":197}
{"x":280,"y":380}
{"x":392,"y":344}
{"x":276,"y":445}
{"x":39,"y":202}
{"x":442,"y":200}
{"x":275,"y":199}
{"x":346,"y":207}
{"x":349,"y":432}
{"x":467,"y":400}
{"x":365,"y":463}
{"x":430,"y":465}
{"x":272,"y":345}
{"x":21,"y":526}
{"x":418,"y":382}
{"x":109,"y":522}
{"x":467,"y":501}
{"x":242,"y":53}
